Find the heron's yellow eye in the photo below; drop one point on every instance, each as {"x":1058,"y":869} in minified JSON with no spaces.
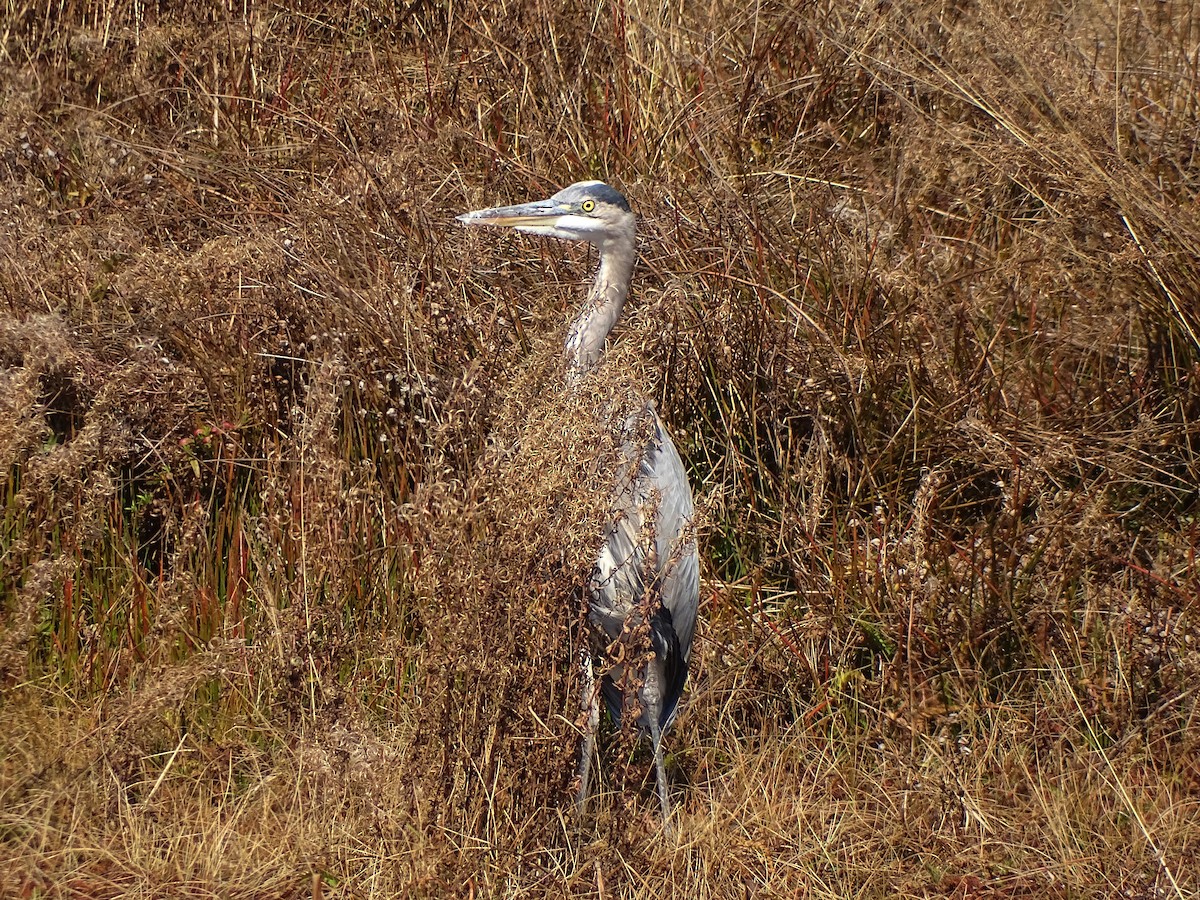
{"x":587,"y":205}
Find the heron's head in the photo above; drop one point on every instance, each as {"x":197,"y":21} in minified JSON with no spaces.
{"x":585,"y":211}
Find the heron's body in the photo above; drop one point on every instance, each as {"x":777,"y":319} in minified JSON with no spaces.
{"x":648,"y":557}
{"x":647,"y":569}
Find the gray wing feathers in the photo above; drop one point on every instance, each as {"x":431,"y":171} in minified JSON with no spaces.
{"x":650,"y":544}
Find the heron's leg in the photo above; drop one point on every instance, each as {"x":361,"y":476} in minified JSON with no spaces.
{"x":652,"y":698}
{"x":590,"y":701}
{"x":660,"y":769}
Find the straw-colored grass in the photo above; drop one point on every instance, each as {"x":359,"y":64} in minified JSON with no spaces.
{"x":294,"y":510}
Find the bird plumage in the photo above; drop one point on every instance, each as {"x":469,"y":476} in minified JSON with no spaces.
{"x":650,"y":493}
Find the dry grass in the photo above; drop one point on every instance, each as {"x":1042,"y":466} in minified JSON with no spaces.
{"x":292,"y":523}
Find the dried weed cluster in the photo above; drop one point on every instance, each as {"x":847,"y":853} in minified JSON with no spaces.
{"x":296,"y":504}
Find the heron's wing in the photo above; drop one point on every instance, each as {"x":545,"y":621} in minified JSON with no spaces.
{"x":679,"y":568}
{"x":649,"y":545}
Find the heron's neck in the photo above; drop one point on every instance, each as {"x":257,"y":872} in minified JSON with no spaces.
{"x":585,"y":340}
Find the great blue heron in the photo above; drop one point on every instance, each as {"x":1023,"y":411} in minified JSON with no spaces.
{"x":647,"y":569}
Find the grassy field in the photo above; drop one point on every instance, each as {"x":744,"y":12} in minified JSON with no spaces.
{"x":293,"y":507}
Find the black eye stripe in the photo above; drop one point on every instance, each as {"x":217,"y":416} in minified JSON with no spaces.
{"x":595,"y":191}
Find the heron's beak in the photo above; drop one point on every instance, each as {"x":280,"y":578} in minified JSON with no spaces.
{"x":542,"y":214}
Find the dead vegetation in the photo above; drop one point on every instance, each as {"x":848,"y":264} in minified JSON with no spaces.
{"x":294,"y":505}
